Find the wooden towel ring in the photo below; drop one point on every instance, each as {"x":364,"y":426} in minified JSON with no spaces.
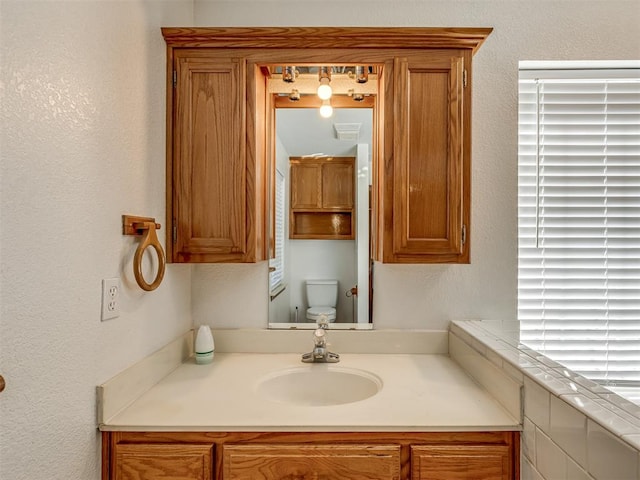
{"x":146,"y":227}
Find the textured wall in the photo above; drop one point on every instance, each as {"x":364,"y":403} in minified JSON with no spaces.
{"x":428,"y":296}
{"x":82,"y":137}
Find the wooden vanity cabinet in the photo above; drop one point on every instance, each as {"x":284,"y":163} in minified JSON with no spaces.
{"x":162,"y":462}
{"x":310,"y":455}
{"x":461,"y":462}
{"x":322,"y":198}
{"x":329,"y":461}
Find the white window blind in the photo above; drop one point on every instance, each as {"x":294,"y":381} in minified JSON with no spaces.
{"x":276,"y":278}
{"x":579,"y":218}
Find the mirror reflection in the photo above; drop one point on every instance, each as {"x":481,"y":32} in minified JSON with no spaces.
{"x":322,"y":218}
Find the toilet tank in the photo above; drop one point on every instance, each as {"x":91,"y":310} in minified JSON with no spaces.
{"x":322,"y":293}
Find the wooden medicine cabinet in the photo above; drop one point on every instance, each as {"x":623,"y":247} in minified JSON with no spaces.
{"x":220,"y":139}
{"x":322,"y":198}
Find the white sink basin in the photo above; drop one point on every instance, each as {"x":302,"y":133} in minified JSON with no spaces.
{"x":319,"y":385}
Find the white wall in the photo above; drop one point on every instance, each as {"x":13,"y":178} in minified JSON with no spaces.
{"x":279,"y":307}
{"x":82,"y":86}
{"x":324,"y":260}
{"x":428,"y":296}
{"x":83,"y":141}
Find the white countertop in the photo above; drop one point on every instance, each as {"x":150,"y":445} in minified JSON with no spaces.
{"x":419,"y":393}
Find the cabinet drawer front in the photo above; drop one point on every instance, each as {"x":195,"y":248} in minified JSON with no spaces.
{"x":311,"y":462}
{"x":163,"y":462}
{"x":465,"y":462}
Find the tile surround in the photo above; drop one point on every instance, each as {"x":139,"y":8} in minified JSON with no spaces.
{"x":573,"y":428}
{"x":609,"y":458}
{"x":551,"y":461}
{"x":568,"y":428}
{"x":575,"y":472}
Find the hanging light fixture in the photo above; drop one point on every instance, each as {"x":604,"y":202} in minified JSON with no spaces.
{"x":289,"y":74}
{"x":326,"y":110}
{"x":362,"y":74}
{"x":294,"y":96}
{"x":324,"y":76}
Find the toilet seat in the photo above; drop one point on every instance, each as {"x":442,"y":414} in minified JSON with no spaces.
{"x":315,"y":313}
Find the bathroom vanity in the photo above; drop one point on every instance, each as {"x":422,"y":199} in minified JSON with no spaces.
{"x":254,"y":416}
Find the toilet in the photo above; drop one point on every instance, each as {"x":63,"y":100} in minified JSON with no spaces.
{"x":322,"y":296}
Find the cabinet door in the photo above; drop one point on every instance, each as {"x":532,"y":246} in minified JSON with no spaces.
{"x":163,"y":462}
{"x":306,"y":185}
{"x":311,"y":462}
{"x":461,"y":462}
{"x":429,"y":168}
{"x":211,"y":195}
{"x":337,"y":185}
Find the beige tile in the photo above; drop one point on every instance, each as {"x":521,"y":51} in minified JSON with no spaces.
{"x":536,"y":404}
{"x":551,"y":461}
{"x":529,"y":472}
{"x":568,"y":428}
{"x":608,"y":457}
{"x":575,"y":472}
{"x":529,"y":440}
{"x":500,"y":385}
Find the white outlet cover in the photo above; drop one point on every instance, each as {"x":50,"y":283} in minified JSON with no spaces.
{"x":110,"y":298}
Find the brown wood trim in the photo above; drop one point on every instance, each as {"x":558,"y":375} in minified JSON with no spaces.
{"x":106,"y":455}
{"x":405,"y":440}
{"x":326,"y":37}
{"x":169,"y":145}
{"x":312,"y":101}
{"x":422,"y":438}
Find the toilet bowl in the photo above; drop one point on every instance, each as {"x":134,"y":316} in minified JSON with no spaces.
{"x":322,"y":297}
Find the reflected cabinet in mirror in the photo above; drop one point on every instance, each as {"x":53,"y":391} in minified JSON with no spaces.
{"x":319,"y":151}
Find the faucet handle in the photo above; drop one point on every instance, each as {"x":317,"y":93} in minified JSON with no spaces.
{"x":319,"y":333}
{"x":323,"y":322}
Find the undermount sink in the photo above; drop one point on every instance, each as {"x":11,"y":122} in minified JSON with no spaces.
{"x":319,"y":385}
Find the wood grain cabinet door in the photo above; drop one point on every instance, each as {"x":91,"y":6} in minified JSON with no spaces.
{"x":338,"y":184}
{"x":211,"y":198}
{"x":311,"y":462}
{"x":461,"y":462}
{"x":163,"y":462}
{"x":306,"y":185}
{"x":430,"y":174}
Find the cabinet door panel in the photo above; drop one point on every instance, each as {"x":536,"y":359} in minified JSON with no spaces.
{"x":210,"y":169}
{"x":311,"y":462}
{"x":467,"y":462}
{"x":337,"y":185}
{"x":306,"y":185}
{"x":428,"y":158}
{"x":163,"y":462}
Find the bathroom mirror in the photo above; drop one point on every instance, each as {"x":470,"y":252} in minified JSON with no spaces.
{"x":301,"y":133}
{"x":337,"y":266}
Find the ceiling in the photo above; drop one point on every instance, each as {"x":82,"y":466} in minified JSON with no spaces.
{"x":303,"y":131}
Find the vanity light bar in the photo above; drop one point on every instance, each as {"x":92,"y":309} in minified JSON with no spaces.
{"x":307,"y":84}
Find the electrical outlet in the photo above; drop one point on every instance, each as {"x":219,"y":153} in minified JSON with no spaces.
{"x":110,"y":298}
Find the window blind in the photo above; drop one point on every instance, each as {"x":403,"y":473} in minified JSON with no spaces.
{"x":276,"y":278}
{"x":579,"y":218}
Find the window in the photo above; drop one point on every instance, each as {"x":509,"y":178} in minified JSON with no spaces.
{"x":276,"y":277}
{"x":579,"y":216}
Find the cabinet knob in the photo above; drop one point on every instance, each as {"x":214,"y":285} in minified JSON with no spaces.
{"x":2,"y":384}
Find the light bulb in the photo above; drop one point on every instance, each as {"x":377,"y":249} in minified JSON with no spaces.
{"x":324,"y":90}
{"x":326,"y":110}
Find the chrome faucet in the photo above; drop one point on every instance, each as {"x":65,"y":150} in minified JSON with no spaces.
{"x":320,"y":354}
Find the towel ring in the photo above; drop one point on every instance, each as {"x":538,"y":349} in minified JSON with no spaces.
{"x":146,"y":227}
